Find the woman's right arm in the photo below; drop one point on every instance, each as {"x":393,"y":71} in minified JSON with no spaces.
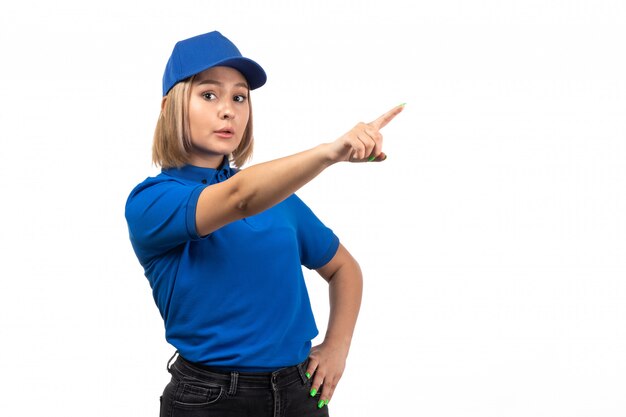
{"x":264,"y":185}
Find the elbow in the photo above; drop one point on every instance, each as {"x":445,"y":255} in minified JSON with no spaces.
{"x":241,"y":202}
{"x":242,"y":205}
{"x":244,"y":208}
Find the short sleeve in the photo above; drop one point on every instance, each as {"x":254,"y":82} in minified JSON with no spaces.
{"x":318,"y":244}
{"x":161,"y":215}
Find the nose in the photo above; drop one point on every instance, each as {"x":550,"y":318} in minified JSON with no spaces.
{"x":226,"y":112}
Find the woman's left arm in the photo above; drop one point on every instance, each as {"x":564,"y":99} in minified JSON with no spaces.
{"x":327,"y":361}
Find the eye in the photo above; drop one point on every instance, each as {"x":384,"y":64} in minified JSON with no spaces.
{"x":209,"y":96}
{"x":240,"y":98}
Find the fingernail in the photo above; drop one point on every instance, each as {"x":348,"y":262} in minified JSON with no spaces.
{"x":402,"y":105}
{"x":321,"y":404}
{"x":313,"y":392}
{"x":326,"y":402}
{"x":371,"y":158}
{"x":308,"y":375}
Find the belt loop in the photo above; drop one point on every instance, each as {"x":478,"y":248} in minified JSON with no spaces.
{"x":234,"y":376}
{"x":169,"y":363}
{"x":301,"y":370}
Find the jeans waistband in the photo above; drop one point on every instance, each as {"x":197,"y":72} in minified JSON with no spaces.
{"x":233,"y":379}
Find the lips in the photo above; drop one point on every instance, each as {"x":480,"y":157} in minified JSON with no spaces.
{"x":225,"y":133}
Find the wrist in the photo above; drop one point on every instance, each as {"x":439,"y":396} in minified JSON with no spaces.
{"x":328,"y":154}
{"x":338,"y":342}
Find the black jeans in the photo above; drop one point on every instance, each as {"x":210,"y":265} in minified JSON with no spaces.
{"x":198,"y":391}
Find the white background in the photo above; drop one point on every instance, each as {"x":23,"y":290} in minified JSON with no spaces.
{"x":493,"y":238}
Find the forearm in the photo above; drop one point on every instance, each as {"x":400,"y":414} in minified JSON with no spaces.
{"x":258,"y":188}
{"x":345,"y":292}
{"x":263,"y":185}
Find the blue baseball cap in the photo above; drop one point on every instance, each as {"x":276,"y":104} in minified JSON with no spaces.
{"x":194,"y":55}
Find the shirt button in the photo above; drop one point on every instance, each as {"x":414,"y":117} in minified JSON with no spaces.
{"x":203,"y":181}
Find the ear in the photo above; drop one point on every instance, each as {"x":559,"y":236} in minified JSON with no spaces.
{"x":163,"y":105}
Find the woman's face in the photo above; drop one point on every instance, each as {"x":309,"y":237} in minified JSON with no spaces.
{"x":218,"y":115}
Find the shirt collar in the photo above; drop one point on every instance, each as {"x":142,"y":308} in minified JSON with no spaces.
{"x":202,"y":175}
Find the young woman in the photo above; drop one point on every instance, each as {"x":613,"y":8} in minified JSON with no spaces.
{"x":223,"y":247}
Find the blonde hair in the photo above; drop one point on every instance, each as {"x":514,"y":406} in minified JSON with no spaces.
{"x":172,"y":142}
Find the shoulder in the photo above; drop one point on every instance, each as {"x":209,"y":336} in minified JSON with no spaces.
{"x":157,"y":183}
{"x":162,"y":189}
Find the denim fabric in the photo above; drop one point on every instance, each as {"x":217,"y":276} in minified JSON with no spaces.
{"x":198,"y":391}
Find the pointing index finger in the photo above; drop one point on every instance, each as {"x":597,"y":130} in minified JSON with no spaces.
{"x":383,"y":120}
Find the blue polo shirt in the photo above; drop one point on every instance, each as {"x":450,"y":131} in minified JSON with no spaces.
{"x":235,"y":299}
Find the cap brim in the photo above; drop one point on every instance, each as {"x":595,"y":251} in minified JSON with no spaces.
{"x":253,"y":72}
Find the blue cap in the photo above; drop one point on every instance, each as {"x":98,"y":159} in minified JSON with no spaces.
{"x":194,"y":55}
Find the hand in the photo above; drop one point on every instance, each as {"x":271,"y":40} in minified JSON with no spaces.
{"x":363,"y":142}
{"x":327,"y":362}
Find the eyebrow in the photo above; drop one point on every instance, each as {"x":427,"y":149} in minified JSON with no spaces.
{"x":218,"y":83}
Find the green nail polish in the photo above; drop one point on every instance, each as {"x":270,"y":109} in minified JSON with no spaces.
{"x":313,"y":392}
{"x":308,"y":375}
{"x":320,"y":404}
{"x":326,"y":402}
{"x":371,"y":158}
{"x":403,"y":104}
